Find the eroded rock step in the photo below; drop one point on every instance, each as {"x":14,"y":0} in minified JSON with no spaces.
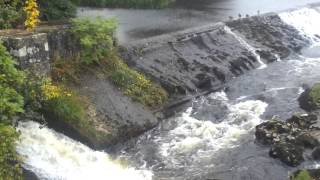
{"x":204,"y":59}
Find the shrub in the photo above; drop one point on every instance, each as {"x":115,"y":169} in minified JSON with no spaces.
{"x":10,"y":163}
{"x":32,"y":13}
{"x":57,"y":9}
{"x":11,"y":80}
{"x":10,"y":13}
{"x":95,"y":38}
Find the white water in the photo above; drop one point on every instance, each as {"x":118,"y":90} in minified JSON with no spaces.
{"x":248,"y":46}
{"x":56,"y":157}
{"x":205,"y":136}
{"x":306,"y":20}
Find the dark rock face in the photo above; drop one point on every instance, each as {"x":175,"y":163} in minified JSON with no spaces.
{"x":316,"y":153}
{"x":309,"y":100}
{"x":288,"y":139}
{"x":287,"y":153}
{"x":205,"y":58}
{"x":117,"y":114}
{"x":270,"y":36}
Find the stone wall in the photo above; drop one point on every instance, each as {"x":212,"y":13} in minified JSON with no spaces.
{"x":41,"y":48}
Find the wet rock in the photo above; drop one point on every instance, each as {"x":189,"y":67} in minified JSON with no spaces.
{"x":270,"y":35}
{"x":316,"y":153}
{"x":310,"y":98}
{"x":289,"y":139}
{"x":269,"y":132}
{"x":205,"y":58}
{"x":307,"y":140}
{"x":288,"y":153}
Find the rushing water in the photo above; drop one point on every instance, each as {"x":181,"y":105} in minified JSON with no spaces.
{"x":212,"y":139}
{"x":51,"y":155}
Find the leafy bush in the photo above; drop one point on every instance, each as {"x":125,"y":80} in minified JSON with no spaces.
{"x":32,"y":13}
{"x":10,"y":163}
{"x":10,"y":13}
{"x":302,"y":175}
{"x":11,"y":80}
{"x":57,"y":9}
{"x":127,"y":3}
{"x":95,"y":38}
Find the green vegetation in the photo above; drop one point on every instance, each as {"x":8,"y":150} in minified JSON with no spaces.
{"x":11,"y":13}
{"x":96,"y":38}
{"x":315,"y":95}
{"x":302,"y":175}
{"x":10,"y":164}
{"x":136,"y":85}
{"x":57,"y":9}
{"x":127,"y":3}
{"x":11,"y":103}
{"x":97,"y":47}
{"x":11,"y":80}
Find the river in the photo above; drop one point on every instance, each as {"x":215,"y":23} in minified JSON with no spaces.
{"x":139,"y":24}
{"x":212,"y":139}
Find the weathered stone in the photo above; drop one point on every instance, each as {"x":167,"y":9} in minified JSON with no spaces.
{"x":288,"y":153}
{"x":289,"y":138}
{"x":205,"y":58}
{"x":316,"y":153}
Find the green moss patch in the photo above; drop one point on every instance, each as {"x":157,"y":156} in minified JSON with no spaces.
{"x":315,"y":94}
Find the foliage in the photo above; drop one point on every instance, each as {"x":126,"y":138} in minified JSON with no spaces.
{"x":135,"y":84}
{"x":63,"y":104}
{"x":315,"y":94}
{"x":10,"y":13}
{"x":11,"y":80}
{"x":10,"y":163}
{"x":32,"y":13}
{"x":302,"y":175}
{"x":57,"y":9}
{"x":127,"y":3}
{"x":95,"y":38}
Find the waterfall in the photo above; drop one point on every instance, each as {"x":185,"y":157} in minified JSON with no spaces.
{"x":247,"y":46}
{"x":306,"y":20}
{"x":53,"y":156}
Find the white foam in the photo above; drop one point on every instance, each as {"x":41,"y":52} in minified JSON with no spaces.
{"x":306,"y":20}
{"x":54,"y":156}
{"x":247,"y":46}
{"x":193,"y":134}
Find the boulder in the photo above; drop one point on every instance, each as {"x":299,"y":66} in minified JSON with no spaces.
{"x":310,"y":98}
{"x":289,"y":153}
{"x":289,"y":139}
{"x":316,"y":153}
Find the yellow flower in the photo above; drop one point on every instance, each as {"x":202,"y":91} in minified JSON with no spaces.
{"x":32,"y":14}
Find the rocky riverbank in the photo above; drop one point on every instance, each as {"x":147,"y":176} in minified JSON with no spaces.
{"x":297,"y":138}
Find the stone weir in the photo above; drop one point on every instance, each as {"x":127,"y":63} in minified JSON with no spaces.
{"x":201,"y":60}
{"x":187,"y":64}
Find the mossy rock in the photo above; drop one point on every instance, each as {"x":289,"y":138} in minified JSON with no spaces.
{"x":306,"y":174}
{"x":310,"y":99}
